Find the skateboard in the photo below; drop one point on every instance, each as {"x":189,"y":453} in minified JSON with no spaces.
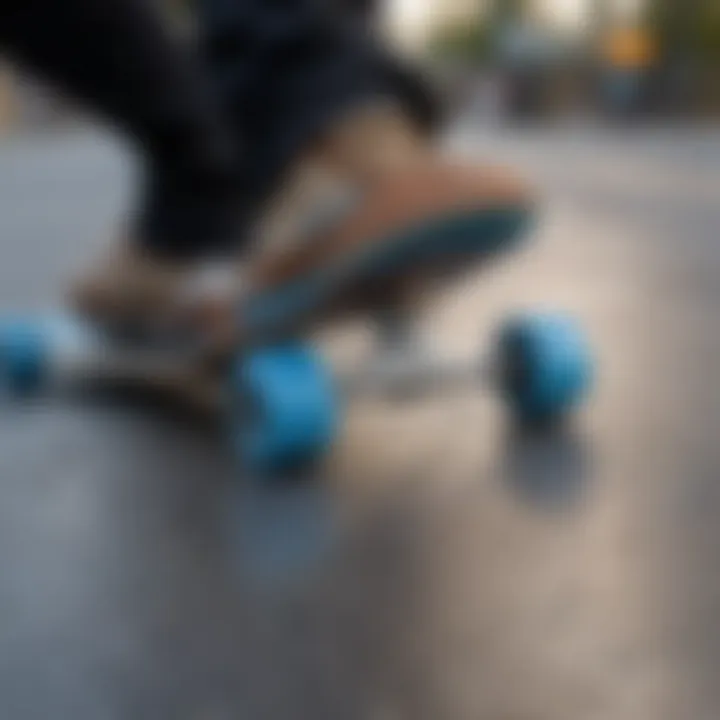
{"x":283,"y":402}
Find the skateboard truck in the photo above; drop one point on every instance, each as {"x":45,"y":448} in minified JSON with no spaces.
{"x":284,"y":404}
{"x":403,"y":367}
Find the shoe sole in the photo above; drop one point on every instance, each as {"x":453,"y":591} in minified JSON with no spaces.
{"x":444,"y":246}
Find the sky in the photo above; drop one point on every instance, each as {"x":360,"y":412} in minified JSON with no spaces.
{"x":569,"y":13}
{"x":413,"y":17}
{"x":574,"y":12}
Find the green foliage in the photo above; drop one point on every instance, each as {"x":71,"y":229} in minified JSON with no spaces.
{"x":505,"y":11}
{"x":690,"y":27}
{"x":708,"y":33}
{"x":466,"y":43}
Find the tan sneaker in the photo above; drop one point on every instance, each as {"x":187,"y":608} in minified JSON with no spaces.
{"x":408,"y":213}
{"x":133,"y":291}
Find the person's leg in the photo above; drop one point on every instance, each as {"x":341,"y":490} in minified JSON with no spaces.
{"x":330,"y":117}
{"x":300,"y":84}
{"x":288,"y":71}
{"x":118,"y":58}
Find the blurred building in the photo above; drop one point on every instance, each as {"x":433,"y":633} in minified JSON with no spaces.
{"x":413,"y":22}
{"x":552,"y":55}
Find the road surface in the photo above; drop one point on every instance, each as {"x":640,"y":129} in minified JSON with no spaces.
{"x":442,"y":567}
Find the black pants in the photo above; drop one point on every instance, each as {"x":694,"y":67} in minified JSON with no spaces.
{"x":220,"y":123}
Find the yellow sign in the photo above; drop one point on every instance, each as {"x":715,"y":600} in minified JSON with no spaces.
{"x":630,"y":49}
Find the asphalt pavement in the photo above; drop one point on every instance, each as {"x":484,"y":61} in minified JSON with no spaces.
{"x":440,"y":566}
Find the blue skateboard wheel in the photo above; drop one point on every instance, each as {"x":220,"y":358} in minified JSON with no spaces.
{"x":23,"y":356}
{"x":546,"y":367}
{"x":285,"y":410}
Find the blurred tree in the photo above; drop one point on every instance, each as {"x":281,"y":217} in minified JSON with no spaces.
{"x":689,"y":29}
{"x":688,"y":33}
{"x":467,"y":43}
{"x":508,"y":11}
